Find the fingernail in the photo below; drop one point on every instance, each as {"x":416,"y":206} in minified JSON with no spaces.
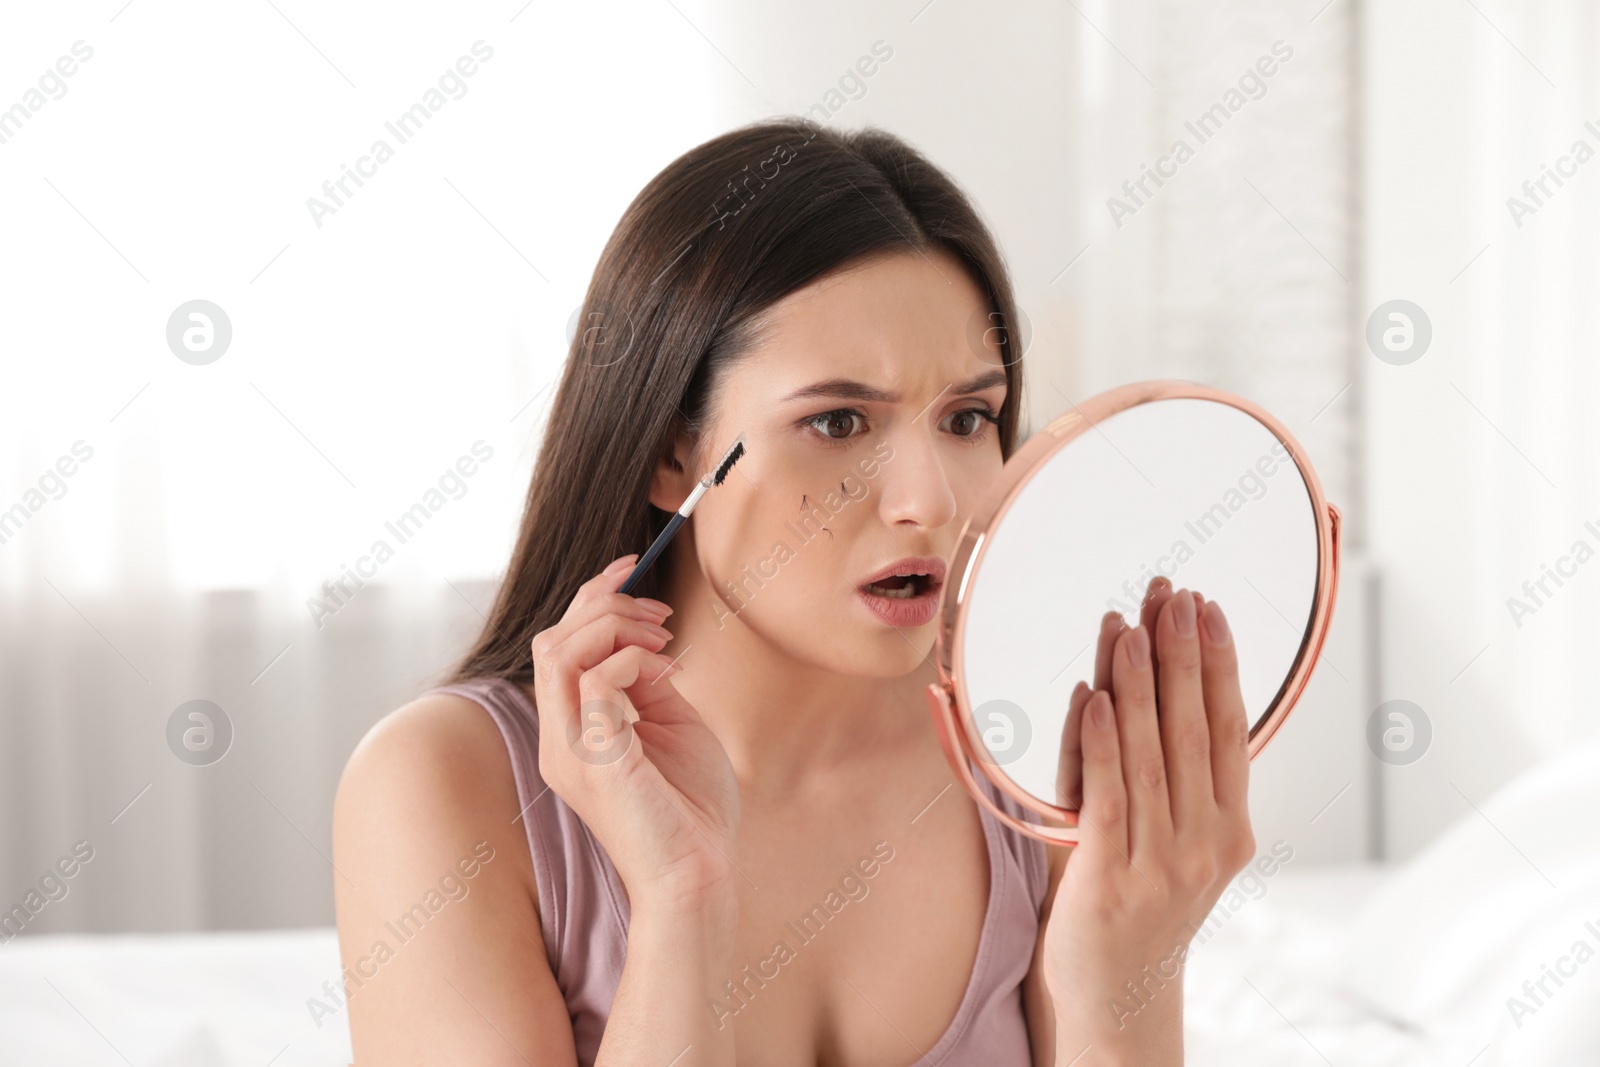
{"x":1139,"y":648}
{"x":656,"y":606}
{"x":1100,"y":710}
{"x":1215,"y":624}
{"x":619,"y":565}
{"x":1183,"y":613}
{"x":1155,"y":586}
{"x":662,"y":630}
{"x":1111,"y":620}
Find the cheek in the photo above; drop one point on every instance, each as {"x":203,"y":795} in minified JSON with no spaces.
{"x":790,"y":526}
{"x":969,"y":490}
{"x":788,"y":506}
{"x":972,"y":472}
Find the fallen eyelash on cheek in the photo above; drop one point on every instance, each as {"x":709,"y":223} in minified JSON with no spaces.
{"x":804,"y":506}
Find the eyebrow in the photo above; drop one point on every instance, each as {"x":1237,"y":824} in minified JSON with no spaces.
{"x":849,"y":389}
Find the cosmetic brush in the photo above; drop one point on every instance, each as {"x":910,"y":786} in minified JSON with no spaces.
{"x":729,"y":458}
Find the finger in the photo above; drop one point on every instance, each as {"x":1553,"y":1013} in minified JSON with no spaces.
{"x":1159,"y":593}
{"x":1185,"y":731}
{"x":607,"y":736}
{"x":559,"y":666}
{"x":1143,"y":762}
{"x":1069,"y":767}
{"x":603,"y":582}
{"x":1155,"y":596}
{"x":1105,"y":797}
{"x":606,"y":584}
{"x":603,"y":637}
{"x":1225,"y":712}
{"x":1111,"y":625}
{"x":644,"y":677}
{"x":600,"y":595}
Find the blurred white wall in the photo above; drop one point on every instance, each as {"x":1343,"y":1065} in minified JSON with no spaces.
{"x":1482,"y":459}
{"x":429,"y":313}
{"x":372,"y":349}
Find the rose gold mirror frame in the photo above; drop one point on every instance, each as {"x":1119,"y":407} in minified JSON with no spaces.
{"x":947,"y":698}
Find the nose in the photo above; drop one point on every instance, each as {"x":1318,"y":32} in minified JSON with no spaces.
{"x":915,"y":488}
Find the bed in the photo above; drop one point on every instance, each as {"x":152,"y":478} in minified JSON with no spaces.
{"x":1450,"y":958}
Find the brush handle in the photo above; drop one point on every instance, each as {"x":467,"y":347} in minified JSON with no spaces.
{"x":655,"y":550}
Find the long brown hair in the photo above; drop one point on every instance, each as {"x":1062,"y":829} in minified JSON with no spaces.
{"x":720,"y":235}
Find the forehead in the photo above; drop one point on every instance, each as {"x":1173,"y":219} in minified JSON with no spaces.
{"x":902,"y":319}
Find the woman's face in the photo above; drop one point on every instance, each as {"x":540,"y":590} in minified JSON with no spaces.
{"x":869,"y":435}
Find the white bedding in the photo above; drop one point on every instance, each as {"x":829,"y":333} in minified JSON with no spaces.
{"x":1340,"y":966}
{"x":1483,"y":949}
{"x":1268,"y":988}
{"x":170,"y":1000}
{"x":198,"y":1000}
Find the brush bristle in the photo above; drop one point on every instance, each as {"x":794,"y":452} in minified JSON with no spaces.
{"x":727,"y":464}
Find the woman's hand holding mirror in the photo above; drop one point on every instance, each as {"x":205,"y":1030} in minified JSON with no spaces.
{"x":1069,"y":769}
{"x":1141,"y":767}
{"x":1199,"y":486}
{"x":1164,"y":823}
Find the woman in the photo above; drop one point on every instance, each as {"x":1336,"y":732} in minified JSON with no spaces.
{"x":734,"y":838}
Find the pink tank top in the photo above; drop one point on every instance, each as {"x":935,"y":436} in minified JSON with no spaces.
{"x":584,"y":912}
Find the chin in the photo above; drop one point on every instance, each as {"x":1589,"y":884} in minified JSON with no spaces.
{"x":880,"y":652}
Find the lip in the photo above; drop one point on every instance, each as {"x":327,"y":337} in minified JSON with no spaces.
{"x":932,"y":566}
{"x":918,"y":610}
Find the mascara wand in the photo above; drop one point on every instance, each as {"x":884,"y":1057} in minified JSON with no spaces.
{"x":729,"y":458}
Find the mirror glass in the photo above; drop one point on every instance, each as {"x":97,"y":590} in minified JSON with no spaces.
{"x":1196,"y":490}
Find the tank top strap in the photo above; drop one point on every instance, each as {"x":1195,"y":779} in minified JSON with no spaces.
{"x":1028,"y":853}
{"x":583,"y":908}
{"x":584,"y":914}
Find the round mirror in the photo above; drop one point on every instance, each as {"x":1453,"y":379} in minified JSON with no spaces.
{"x":1158,"y":479}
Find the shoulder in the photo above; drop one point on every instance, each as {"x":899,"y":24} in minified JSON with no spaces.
{"x":441,"y":744}
{"x":433,"y":774}
{"x":434,"y":883}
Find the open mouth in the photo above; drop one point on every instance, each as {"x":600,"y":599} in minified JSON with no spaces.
{"x":901,"y":586}
{"x":905,"y":593}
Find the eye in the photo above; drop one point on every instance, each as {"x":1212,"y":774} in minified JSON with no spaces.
{"x":837,"y":426}
{"x":968,"y":423}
